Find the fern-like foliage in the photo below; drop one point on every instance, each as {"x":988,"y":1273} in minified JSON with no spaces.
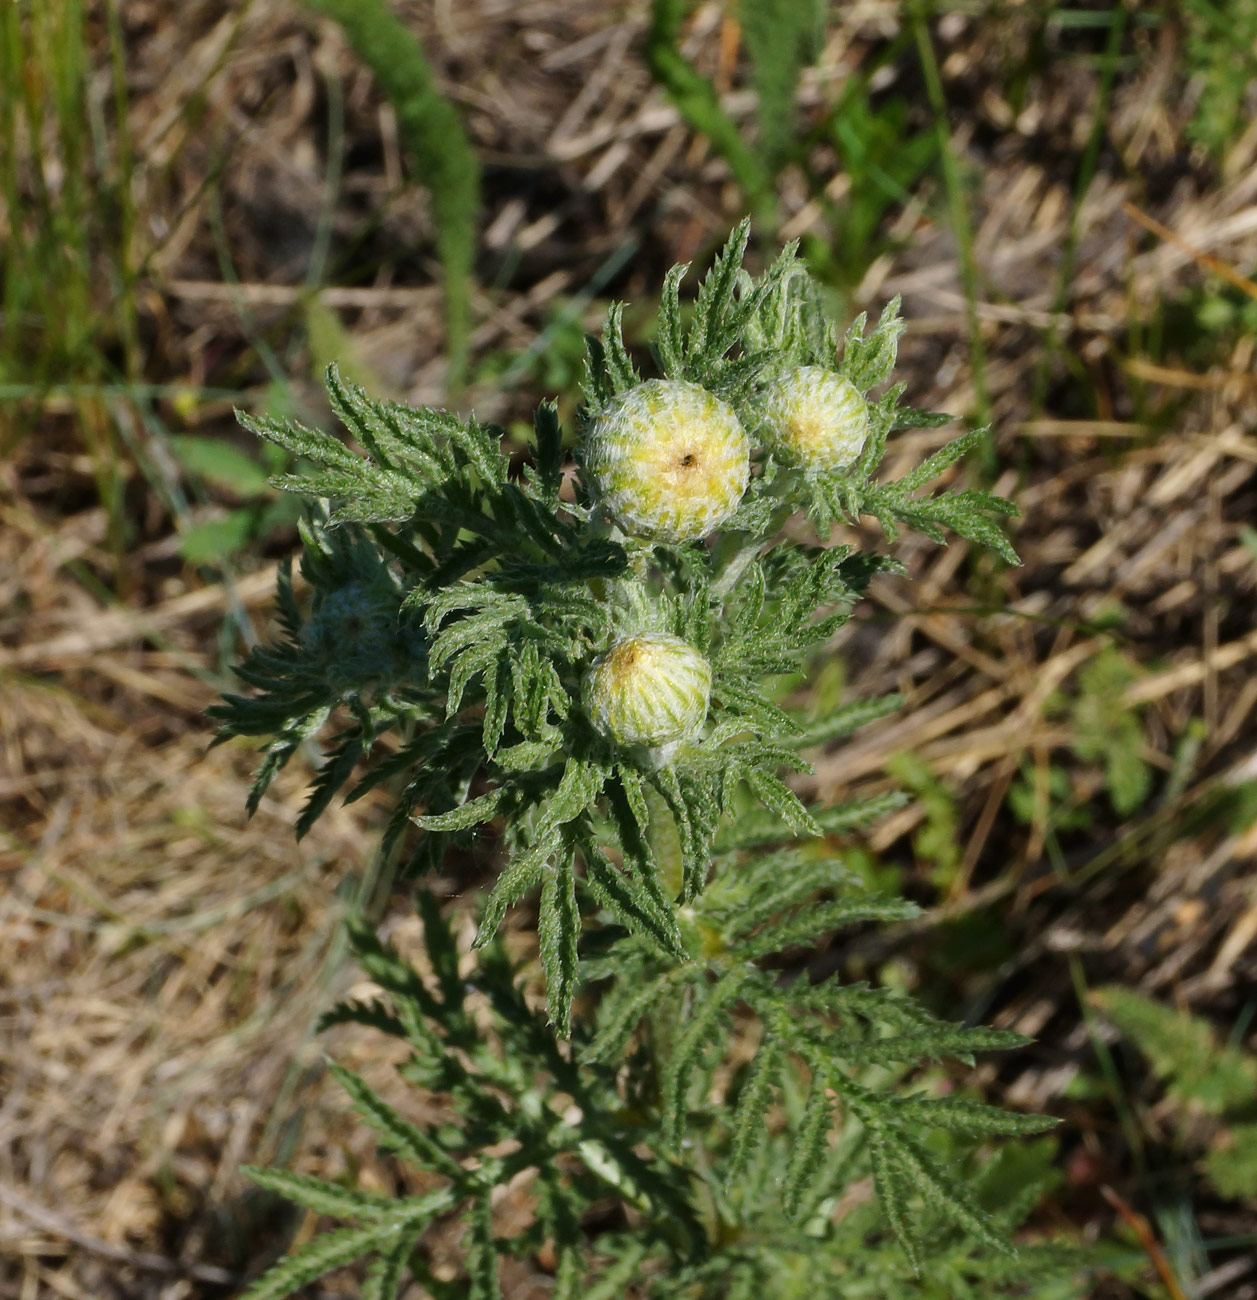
{"x":758,"y":907}
{"x":590,"y":1125}
{"x":1109,"y":731}
{"x":779,"y":40}
{"x":1199,"y":1073}
{"x":685,"y":1067}
{"x":519,"y":1084}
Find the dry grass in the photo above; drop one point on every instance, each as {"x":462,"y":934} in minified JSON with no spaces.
{"x":165,"y":960}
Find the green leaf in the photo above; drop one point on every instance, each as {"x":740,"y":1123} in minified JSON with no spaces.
{"x":867,"y":360}
{"x":364,"y":495}
{"x":338,"y":764}
{"x":622,"y":1010}
{"x":620,"y":369}
{"x":1183,"y":1050}
{"x":618,"y":1276}
{"x":549,"y":436}
{"x":497,"y":695}
{"x":327,"y":1251}
{"x":820,"y":919}
{"x":942,"y":460}
{"x":626,"y":897}
{"x":893,"y":1183}
{"x":1106,"y":729}
{"x":1231,"y":1166}
{"x":406,"y":1138}
{"x":708,"y":1017}
{"x":527,"y":756}
{"x":709,"y":335}
{"x":312,"y":444}
{"x":521,"y":874}
{"x":683,"y":818}
{"x":810,"y":1144}
{"x":321,"y":1197}
{"x":669,"y":336}
{"x":843,"y":721}
{"x":215,"y":540}
{"x":783,"y":801}
{"x":581,"y":784}
{"x":385,"y":965}
{"x":640,"y":885}
{"x":558,"y":930}
{"x":374,"y":1014}
{"x":221,"y":463}
{"x":482,"y":1255}
{"x":957,"y":1115}
{"x":755,"y":829}
{"x":940,"y":1190}
{"x":384,"y":1277}
{"x":481,"y":809}
{"x":752,"y":1107}
{"x":931,"y":1042}
{"x":778,"y":39}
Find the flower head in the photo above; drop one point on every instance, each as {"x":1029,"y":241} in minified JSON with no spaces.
{"x":650,"y":691}
{"x":358,"y":634}
{"x":816,"y":418}
{"x":668,"y":460}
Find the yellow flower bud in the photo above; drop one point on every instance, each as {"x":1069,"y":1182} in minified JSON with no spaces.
{"x":668,"y":461}
{"x":650,"y":691}
{"x":816,"y":418}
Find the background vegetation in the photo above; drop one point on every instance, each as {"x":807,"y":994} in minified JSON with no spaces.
{"x":203,"y":203}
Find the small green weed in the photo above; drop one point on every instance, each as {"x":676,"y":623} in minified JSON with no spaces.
{"x":937,"y":840}
{"x":1109,"y":732}
{"x":65,"y":261}
{"x":1202,"y":1076}
{"x":781,"y":40}
{"x":879,"y":151}
{"x":698,"y":103}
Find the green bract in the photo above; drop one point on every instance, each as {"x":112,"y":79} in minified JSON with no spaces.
{"x":816,"y":418}
{"x":667,"y":460}
{"x":648,"y":690}
{"x":590,"y":720}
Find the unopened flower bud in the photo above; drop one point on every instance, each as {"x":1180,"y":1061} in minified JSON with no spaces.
{"x":816,"y":418}
{"x":668,"y":461}
{"x":650,"y":691}
{"x":357,"y":634}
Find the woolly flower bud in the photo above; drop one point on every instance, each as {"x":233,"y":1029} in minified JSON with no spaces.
{"x":356,"y":635}
{"x":817,"y":418}
{"x":668,"y":461}
{"x":649,"y":691}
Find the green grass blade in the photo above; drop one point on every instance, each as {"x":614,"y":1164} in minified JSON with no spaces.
{"x":439,"y":149}
{"x":958,"y":209}
{"x":696,"y":100}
